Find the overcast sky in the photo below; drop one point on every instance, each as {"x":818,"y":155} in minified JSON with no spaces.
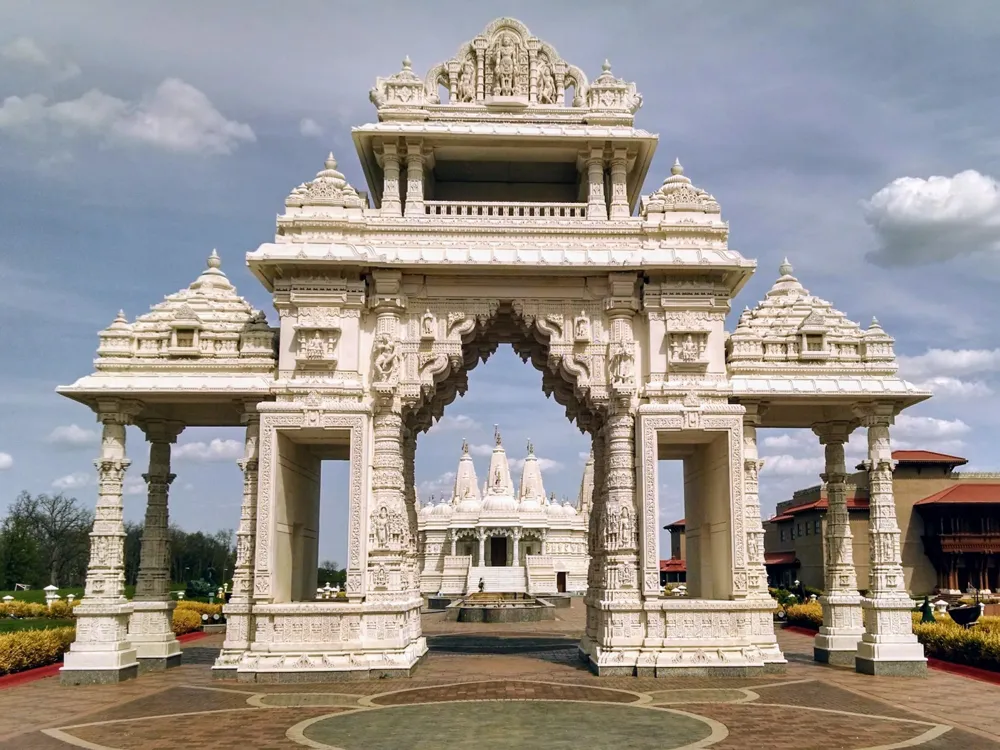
{"x":857,"y":138}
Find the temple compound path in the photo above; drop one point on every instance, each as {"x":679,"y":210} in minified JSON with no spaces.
{"x":522,"y":686}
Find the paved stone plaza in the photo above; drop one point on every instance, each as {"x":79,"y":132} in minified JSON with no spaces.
{"x":489,"y":685}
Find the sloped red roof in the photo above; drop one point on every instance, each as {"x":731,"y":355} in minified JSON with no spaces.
{"x":782,"y":517}
{"x":928,"y":457}
{"x":673,"y":565}
{"x":853,"y":503}
{"x":678,"y":524}
{"x":957,"y":494}
{"x":780,"y":558}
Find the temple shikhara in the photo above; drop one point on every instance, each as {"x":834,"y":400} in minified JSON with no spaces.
{"x":510,"y":539}
{"x":504,"y":205}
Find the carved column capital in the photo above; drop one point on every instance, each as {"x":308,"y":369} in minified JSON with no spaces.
{"x":875,"y":414}
{"x":837,"y":431}
{"x":118,"y":411}
{"x":161,"y":430}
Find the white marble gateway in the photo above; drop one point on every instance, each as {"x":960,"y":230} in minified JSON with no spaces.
{"x":504,"y":205}
{"x":510,"y":539}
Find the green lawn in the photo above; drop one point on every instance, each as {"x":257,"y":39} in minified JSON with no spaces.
{"x":10,"y":625}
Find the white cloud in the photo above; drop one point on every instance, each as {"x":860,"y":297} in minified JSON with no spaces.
{"x":72,"y":436}
{"x":134,"y":486}
{"x":785,"y":465}
{"x":25,"y":51}
{"x":176,"y":117}
{"x":481,"y":449}
{"x":920,"y":221}
{"x":584,"y":456}
{"x":6,"y":461}
{"x":929,"y":428}
{"x":215,"y":451}
{"x":950,"y":362}
{"x":440,"y":487}
{"x":788,"y":441}
{"x":310,"y":128}
{"x":74,"y":481}
{"x":545,"y":464}
{"x":944,"y":386}
{"x":449,"y":423}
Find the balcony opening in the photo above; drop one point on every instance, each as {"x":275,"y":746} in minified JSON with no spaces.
{"x":505,"y":181}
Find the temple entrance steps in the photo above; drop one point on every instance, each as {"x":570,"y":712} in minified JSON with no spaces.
{"x":507,"y":580}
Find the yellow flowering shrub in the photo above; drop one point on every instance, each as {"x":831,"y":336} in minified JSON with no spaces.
{"x":977,"y":647}
{"x":28,"y":649}
{"x":202,"y":608}
{"x":807,"y":615}
{"x":185,"y":621}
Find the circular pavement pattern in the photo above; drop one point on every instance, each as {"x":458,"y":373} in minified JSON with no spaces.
{"x":471,"y":724}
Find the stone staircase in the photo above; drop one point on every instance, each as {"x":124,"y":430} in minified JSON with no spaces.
{"x":499,"y":580}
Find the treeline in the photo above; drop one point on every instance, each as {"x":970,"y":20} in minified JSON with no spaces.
{"x":46,"y":539}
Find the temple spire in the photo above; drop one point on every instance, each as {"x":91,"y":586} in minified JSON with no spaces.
{"x":586,"y":498}
{"x":466,"y":482}
{"x":498,"y":481}
{"x":531,"y":478}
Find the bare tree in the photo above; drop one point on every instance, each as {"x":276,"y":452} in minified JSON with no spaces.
{"x":61,"y":527}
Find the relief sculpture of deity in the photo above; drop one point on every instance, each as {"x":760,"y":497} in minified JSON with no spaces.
{"x":467,"y":83}
{"x":546,"y":84}
{"x":505,"y":67}
{"x":386,"y":358}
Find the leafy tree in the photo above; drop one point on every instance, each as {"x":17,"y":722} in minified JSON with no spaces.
{"x":45,"y":540}
{"x":330,"y":572}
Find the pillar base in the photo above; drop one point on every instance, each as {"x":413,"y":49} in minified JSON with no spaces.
{"x":836,"y":647}
{"x":97,"y":676}
{"x":833,"y":657}
{"x":890,"y":668}
{"x":159,"y":663}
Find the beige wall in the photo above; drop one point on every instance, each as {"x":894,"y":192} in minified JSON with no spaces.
{"x":296,"y":530}
{"x":708,"y":530}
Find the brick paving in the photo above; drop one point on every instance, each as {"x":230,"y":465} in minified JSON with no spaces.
{"x":459,"y":696}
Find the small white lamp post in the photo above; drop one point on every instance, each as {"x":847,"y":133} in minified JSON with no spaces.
{"x":70,"y":598}
{"x":8,"y":599}
{"x":50,"y":594}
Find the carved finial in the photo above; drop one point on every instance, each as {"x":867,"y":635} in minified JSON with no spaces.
{"x":330,"y":162}
{"x":785,"y":269}
{"x":214,"y":261}
{"x":531,"y":448}
{"x":875,"y":324}
{"x":607,"y":66}
{"x":677,"y":168}
{"x":496,"y":434}
{"x":407,"y":65}
{"x":465,"y":447}
{"x":120,"y":317}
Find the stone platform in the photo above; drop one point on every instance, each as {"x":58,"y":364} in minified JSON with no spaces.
{"x":516,"y":685}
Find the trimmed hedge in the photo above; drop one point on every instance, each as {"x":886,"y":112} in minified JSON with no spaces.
{"x":808,"y":615}
{"x":201,"y":608}
{"x":59,"y":610}
{"x":33,"y":648}
{"x":185,"y":621}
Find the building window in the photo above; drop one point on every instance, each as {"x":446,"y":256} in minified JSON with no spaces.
{"x":185,"y":338}
{"x":798,"y":530}
{"x":816,"y":527}
{"x":814,"y":342}
{"x":782,"y":535}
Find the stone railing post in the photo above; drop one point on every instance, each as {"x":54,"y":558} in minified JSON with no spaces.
{"x":150,"y":626}
{"x":888,"y":646}
{"x":102,"y":652}
{"x":239,"y":608}
{"x":837,"y":641}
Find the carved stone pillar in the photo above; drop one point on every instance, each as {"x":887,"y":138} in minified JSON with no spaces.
{"x":517,"y":541}
{"x":410,"y":497}
{"x":150,"y":627}
{"x":619,"y":191}
{"x":596,"y":566}
{"x":391,"y":203}
{"x":597,"y":208}
{"x":837,"y":641}
{"x":414,"y":179}
{"x":239,"y":610}
{"x":753,"y":525}
{"x":888,"y":646}
{"x":454,"y":544}
{"x":481,"y":536}
{"x":102,"y":652}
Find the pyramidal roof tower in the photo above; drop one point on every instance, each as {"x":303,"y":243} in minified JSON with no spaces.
{"x":532,"y":491}
{"x":466,"y":482}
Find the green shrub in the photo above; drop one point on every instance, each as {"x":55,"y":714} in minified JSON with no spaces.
{"x":950,"y":642}
{"x":200,"y":607}
{"x":33,"y":648}
{"x":185,"y":621}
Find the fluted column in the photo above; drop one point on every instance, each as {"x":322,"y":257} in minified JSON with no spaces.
{"x":414,"y":179}
{"x":102,"y":652}
{"x":596,"y":206}
{"x":888,"y":646}
{"x":837,"y":641}
{"x":150,"y":626}
{"x":391,"y":204}
{"x":239,"y":608}
{"x":481,"y":536}
{"x":619,"y":191}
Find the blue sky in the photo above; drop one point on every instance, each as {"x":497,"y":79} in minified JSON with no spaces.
{"x":858,"y":139}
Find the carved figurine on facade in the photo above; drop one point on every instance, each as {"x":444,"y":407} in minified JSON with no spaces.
{"x":619,"y":364}
{"x":428,"y":324}
{"x":546,"y":83}
{"x":386,"y":358}
{"x":505,"y":64}
{"x":466,"y":91}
